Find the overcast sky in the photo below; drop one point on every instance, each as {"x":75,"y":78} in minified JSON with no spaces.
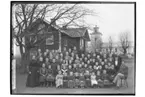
{"x":113,"y":19}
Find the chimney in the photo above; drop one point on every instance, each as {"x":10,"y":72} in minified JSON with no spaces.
{"x":53,"y":22}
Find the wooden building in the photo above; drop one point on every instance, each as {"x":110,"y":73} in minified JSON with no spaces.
{"x":53,"y":37}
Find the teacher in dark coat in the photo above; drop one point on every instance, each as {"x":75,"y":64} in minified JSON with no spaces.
{"x":33,"y":73}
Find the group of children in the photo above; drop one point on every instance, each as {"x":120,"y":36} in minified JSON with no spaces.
{"x":71,"y":69}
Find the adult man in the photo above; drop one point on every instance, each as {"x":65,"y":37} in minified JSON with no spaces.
{"x":123,"y":72}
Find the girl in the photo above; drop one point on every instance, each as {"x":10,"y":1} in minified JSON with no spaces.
{"x":93,"y":80}
{"x":82,"y":80}
{"x":65,"y":80}
{"x":64,"y":70}
{"x":43,"y":73}
{"x":77,"y":80}
{"x":47,"y":62}
{"x":99,"y":79}
{"x":105,"y":78}
{"x":49,"y":77}
{"x":59,"y":80}
{"x":87,"y":79}
{"x":71,"y":80}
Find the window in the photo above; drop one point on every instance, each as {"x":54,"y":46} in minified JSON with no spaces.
{"x":81,"y":43}
{"x":50,"y":40}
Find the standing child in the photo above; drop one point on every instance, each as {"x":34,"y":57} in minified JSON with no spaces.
{"x":93,"y":80}
{"x":59,"y":80}
{"x":43,"y":73}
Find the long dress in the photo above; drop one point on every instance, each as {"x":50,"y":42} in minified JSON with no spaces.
{"x":33,"y":76}
{"x":59,"y":80}
{"x":93,"y":80}
{"x":82,"y":81}
{"x":43,"y":73}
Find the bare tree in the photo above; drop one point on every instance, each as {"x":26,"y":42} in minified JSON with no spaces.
{"x":124,"y":41}
{"x":110,"y":44}
{"x":25,"y":14}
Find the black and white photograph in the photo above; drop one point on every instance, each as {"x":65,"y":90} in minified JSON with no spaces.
{"x":73,"y":48}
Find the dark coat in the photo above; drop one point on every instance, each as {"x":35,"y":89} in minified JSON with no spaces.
{"x":33,"y":76}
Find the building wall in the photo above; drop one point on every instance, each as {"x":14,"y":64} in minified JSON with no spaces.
{"x":69,"y":42}
{"x":49,"y":31}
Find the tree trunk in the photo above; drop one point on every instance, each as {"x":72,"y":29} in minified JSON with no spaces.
{"x":125,"y":51}
{"x":24,"y":60}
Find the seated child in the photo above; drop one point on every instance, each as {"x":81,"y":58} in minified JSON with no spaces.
{"x":87,"y":79}
{"x":64,"y":69}
{"x":82,"y":80}
{"x":50,"y":77}
{"x":77,"y":82}
{"x":69,"y":69}
{"x":43,"y":73}
{"x":71,"y":80}
{"x":90,"y":69}
{"x":93,"y":80}
{"x":99,"y":79}
{"x":105,"y":77}
{"x":65,"y":80}
{"x":95,"y":69}
{"x":59,"y":80}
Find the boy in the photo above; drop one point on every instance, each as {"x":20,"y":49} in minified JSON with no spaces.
{"x":59,"y":80}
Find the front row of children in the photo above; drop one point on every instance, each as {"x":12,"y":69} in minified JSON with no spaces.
{"x":73,"y":79}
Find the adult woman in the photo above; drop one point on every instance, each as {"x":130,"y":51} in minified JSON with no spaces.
{"x":33,"y":73}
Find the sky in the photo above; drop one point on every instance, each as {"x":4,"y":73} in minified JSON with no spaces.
{"x":112,"y":20}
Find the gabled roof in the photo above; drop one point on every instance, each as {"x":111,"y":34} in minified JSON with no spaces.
{"x":72,"y":32}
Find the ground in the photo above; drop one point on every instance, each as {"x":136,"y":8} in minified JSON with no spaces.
{"x":21,"y":88}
